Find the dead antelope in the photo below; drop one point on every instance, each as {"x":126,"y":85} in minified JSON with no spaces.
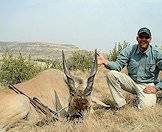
{"x":79,"y":99}
{"x":69,"y":95}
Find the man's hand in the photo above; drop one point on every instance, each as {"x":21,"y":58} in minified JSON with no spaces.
{"x":150,"y":90}
{"x":101,"y":59}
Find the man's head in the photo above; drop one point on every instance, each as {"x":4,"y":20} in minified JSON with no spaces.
{"x":143,"y":38}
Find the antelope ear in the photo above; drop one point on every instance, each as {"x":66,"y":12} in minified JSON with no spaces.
{"x":90,"y":80}
{"x":69,"y":78}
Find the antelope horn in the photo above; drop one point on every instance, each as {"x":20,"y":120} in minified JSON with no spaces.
{"x":90,"y":79}
{"x":69,"y":81}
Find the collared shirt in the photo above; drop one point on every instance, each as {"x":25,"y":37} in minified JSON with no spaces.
{"x":142,"y":67}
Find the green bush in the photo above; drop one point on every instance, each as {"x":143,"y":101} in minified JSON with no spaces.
{"x":56,"y":64}
{"x":112,"y":55}
{"x":80,"y":60}
{"x":77,"y":60}
{"x":17,"y":69}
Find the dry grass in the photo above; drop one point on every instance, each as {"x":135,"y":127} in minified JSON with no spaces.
{"x":127,"y":119}
{"x":102,"y":120}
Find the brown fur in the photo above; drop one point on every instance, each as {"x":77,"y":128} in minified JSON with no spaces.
{"x":50,"y":88}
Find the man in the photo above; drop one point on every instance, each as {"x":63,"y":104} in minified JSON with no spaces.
{"x":144,"y":63}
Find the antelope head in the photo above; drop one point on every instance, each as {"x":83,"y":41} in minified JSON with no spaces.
{"x":80,"y":90}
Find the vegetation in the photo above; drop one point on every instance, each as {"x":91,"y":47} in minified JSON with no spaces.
{"x":80,"y":60}
{"x":112,"y":55}
{"x":17,"y":69}
{"x":56,"y":64}
{"x":77,"y":60}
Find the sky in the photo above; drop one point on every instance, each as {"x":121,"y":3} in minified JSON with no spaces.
{"x":88,"y":24}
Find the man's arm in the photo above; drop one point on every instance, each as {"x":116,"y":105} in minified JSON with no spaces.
{"x":159,"y":65}
{"x":158,"y":86}
{"x":121,"y":61}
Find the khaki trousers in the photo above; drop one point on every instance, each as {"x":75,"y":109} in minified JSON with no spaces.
{"x":118,"y":82}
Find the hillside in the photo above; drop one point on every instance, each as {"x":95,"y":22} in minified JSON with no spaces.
{"x":37,"y":49}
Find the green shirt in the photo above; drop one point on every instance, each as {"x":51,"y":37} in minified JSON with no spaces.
{"x":142,"y":67}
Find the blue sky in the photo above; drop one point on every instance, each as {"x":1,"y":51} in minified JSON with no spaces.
{"x":88,"y":24}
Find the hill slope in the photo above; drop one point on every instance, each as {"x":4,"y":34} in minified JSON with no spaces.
{"x":37,"y":49}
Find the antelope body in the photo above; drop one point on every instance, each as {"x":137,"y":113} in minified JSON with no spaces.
{"x":52,"y":89}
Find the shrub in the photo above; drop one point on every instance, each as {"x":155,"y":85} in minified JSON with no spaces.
{"x":17,"y":69}
{"x":80,"y":60}
{"x":56,"y":64}
{"x":112,"y":55}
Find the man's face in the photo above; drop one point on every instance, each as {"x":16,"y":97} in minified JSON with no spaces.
{"x":143,"y":41}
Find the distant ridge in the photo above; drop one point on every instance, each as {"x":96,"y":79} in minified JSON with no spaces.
{"x":37,"y":50}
